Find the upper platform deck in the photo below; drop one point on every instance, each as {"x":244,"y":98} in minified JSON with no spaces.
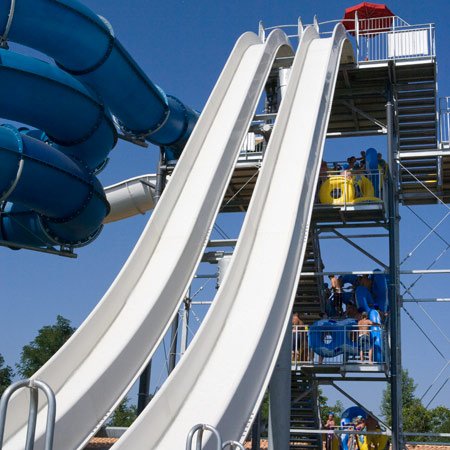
{"x":398,"y":63}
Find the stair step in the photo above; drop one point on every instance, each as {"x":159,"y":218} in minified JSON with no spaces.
{"x":426,"y":94}
{"x":428,"y":118}
{"x":422,"y":86}
{"x":403,"y":102}
{"x":424,"y":140}
{"x":419,"y":108}
{"x":412,"y":148}
{"x":429,"y":131}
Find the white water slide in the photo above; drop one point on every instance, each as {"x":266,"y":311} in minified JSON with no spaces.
{"x":222,"y":377}
{"x":97,"y":366}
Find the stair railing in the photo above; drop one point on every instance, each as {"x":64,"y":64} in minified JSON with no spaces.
{"x":200,"y":428}
{"x":234,"y":445}
{"x":34,"y":386}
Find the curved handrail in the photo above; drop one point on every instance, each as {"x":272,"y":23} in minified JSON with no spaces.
{"x":34,"y":386}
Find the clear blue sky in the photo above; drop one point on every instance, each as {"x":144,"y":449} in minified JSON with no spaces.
{"x":182,"y":46}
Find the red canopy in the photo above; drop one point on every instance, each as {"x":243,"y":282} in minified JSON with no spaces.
{"x":380,"y":14}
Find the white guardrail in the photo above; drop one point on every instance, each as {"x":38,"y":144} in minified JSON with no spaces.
{"x":378,"y":39}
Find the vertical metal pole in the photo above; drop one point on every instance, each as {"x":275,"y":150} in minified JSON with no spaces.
{"x":32,"y":418}
{"x":280,"y":397}
{"x":256,"y":431}
{"x":173,"y":344}
{"x":185,"y":323}
{"x":144,"y":380}
{"x":280,"y":383}
{"x":394,"y":281}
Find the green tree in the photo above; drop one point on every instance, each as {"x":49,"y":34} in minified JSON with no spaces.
{"x":337,"y":409}
{"x":6,"y":374}
{"x":124,"y":415}
{"x":440,"y":421}
{"x":408,"y":397}
{"x":417,"y":418}
{"x":48,"y":341}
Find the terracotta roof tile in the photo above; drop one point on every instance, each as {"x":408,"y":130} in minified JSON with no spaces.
{"x":100,"y":443}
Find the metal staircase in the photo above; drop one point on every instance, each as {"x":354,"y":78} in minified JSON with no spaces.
{"x":304,"y":412}
{"x":417,"y":133}
{"x":309,"y":302}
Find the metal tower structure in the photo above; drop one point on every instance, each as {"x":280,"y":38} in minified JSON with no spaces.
{"x":389,"y":91}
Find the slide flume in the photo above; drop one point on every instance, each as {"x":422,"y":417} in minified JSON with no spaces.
{"x":71,"y":107}
{"x":96,"y":367}
{"x":222,"y":377}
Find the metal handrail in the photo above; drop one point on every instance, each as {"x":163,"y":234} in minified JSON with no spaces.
{"x":34,"y":386}
{"x":200,"y":428}
{"x":353,"y":186}
{"x":233,"y":445}
{"x":303,"y":353}
{"x":444,"y":121}
{"x":381,"y":38}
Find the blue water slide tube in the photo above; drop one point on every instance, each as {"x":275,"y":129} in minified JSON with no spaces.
{"x":372,"y":168}
{"x":52,"y":199}
{"x":326,"y":337}
{"x":346,"y":419}
{"x":85,"y":46}
{"x":41,"y":95}
{"x":380,"y":290}
{"x":348,"y":278}
{"x":364,"y":299}
{"x":375,"y":335}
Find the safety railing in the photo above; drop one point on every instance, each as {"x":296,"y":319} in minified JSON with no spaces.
{"x":350,"y":187}
{"x":34,"y":386}
{"x":330,"y":346}
{"x":252,"y":147}
{"x":377,"y":39}
{"x":444,"y":122}
{"x":391,"y":38}
{"x":197,"y":433}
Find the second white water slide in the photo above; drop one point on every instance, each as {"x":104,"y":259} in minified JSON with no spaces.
{"x":222,"y":377}
{"x":96,"y":367}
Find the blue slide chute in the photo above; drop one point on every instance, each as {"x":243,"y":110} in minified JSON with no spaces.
{"x":96,"y":57}
{"x":32,"y":173}
{"x":48,"y":190}
{"x":45,"y":97}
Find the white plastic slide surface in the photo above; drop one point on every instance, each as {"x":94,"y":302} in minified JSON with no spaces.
{"x":97,"y":366}
{"x":223,"y":375}
{"x":130,"y":197}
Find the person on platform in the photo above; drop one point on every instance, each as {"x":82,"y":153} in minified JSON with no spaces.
{"x":330,"y":425}
{"x":338,"y":295}
{"x":364,"y":340}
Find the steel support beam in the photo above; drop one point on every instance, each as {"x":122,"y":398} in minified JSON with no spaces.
{"x":173,"y":344}
{"x":360,"y":249}
{"x":145,"y":378}
{"x":425,"y":300}
{"x":371,"y":272}
{"x":352,"y":399}
{"x":185,"y":324}
{"x":356,"y":236}
{"x":394,"y":283}
{"x":280,"y":397}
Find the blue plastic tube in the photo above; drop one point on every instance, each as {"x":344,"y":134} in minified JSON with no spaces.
{"x":55,"y":199}
{"x":92,"y":54}
{"x":41,"y":95}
